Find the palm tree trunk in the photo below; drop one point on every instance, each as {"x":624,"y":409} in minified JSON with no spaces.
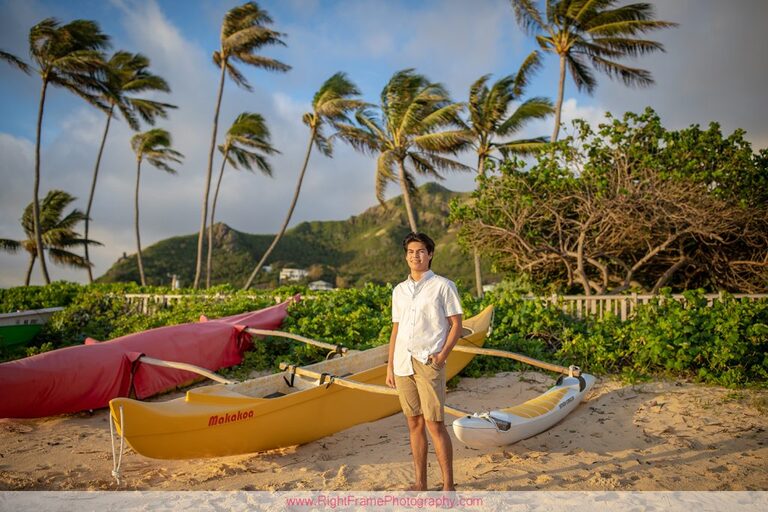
{"x":36,"y":188}
{"x":208,"y":174}
{"x":407,"y":198}
{"x":296,"y":192}
{"x":559,"y":105}
{"x":93,"y":190}
{"x":209,"y":263}
{"x":478,"y":270}
{"x":136,"y":224}
{"x":32,"y":258}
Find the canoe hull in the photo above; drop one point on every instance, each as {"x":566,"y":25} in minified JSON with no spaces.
{"x":219,"y":420}
{"x":88,"y":376}
{"x":525,"y":420}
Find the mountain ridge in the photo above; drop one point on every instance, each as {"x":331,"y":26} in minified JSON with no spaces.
{"x":363,"y":248}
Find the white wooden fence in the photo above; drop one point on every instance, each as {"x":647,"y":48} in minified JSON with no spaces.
{"x":147,"y":303}
{"x":622,"y":306}
{"x":575,"y":305}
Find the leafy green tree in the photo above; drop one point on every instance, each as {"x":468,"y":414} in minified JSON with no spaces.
{"x":413,"y":128}
{"x":490,"y":119}
{"x":127,"y":74}
{"x":630,"y":205}
{"x":58,"y":233}
{"x":67,"y":56}
{"x":244,"y":32}
{"x":596,"y":32}
{"x":155,"y":147}
{"x":246,"y":145}
{"x":332,"y":105}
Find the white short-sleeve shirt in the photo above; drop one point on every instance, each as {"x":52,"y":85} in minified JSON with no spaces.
{"x":421,"y":310}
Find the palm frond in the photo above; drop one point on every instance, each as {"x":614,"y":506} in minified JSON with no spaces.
{"x":451,"y":141}
{"x":582,"y":9}
{"x":630,"y":76}
{"x":422,"y":166}
{"x":524,"y":146}
{"x":532,"y":108}
{"x":248,"y":39}
{"x":447,"y":115}
{"x":385,"y":173}
{"x":237,"y":77}
{"x":7,"y":245}
{"x":530,"y":65}
{"x":149,"y":110}
{"x":323,"y":144}
{"x":527,"y":15}
{"x":360,"y":140}
{"x":621,"y":46}
{"x":155,"y":147}
{"x":442,"y":163}
{"x":15,"y":61}
{"x":261,"y":62}
{"x":243,"y":16}
{"x":67,"y":258}
{"x":581,"y":74}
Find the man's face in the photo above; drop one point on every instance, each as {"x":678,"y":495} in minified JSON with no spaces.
{"x":417,"y":257}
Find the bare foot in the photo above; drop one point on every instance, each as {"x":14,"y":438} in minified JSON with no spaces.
{"x":416,"y":488}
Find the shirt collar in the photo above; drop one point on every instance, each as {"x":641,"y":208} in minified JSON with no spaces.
{"x":424,"y":278}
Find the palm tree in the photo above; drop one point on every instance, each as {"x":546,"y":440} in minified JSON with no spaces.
{"x":66,"y":56}
{"x":243,"y":32}
{"x":58,"y":233}
{"x":127,"y":75}
{"x":405,"y":127}
{"x":332,"y":104}
{"x":593,"y":30}
{"x":154,"y":146}
{"x":246,"y":144}
{"x":489,"y":118}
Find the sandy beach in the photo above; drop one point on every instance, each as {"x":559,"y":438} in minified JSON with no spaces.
{"x":655,"y":436}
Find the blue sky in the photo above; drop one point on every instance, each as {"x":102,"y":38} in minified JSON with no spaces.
{"x":715,"y":69}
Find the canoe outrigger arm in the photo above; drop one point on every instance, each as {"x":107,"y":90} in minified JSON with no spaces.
{"x":327,"y":379}
{"x":334,"y":349}
{"x":571,"y":371}
{"x":187,"y":367}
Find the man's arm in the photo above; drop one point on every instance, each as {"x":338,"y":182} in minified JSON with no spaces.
{"x":391,"y":360}
{"x":453,"y":336}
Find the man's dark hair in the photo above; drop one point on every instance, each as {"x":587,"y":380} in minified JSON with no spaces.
{"x":424,"y":239}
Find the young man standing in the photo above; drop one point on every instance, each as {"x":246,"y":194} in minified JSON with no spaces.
{"x":426,"y":324}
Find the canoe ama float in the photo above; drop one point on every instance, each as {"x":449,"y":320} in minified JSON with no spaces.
{"x":506,"y":426}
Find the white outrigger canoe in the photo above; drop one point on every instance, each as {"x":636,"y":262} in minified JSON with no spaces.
{"x":506,"y":426}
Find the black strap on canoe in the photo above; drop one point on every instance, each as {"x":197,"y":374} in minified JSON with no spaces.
{"x":291,"y":370}
{"x":323,"y":377}
{"x":337,"y":351}
{"x":582,"y":382}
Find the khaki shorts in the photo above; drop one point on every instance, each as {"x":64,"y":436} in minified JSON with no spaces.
{"x":423,"y":392}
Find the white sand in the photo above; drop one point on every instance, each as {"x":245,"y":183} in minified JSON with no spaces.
{"x":656,"y":436}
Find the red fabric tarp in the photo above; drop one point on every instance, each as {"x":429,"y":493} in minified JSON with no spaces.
{"x":88,"y":376}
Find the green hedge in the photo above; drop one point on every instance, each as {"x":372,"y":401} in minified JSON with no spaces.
{"x":724,"y":344}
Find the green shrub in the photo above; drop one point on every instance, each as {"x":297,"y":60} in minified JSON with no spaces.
{"x":725,"y":344}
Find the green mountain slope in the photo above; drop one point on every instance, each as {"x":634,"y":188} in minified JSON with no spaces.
{"x":364,"y":248}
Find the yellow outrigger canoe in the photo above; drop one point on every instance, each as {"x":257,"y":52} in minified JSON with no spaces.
{"x":276,"y":410}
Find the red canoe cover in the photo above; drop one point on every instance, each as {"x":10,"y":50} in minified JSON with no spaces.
{"x":88,"y":376}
